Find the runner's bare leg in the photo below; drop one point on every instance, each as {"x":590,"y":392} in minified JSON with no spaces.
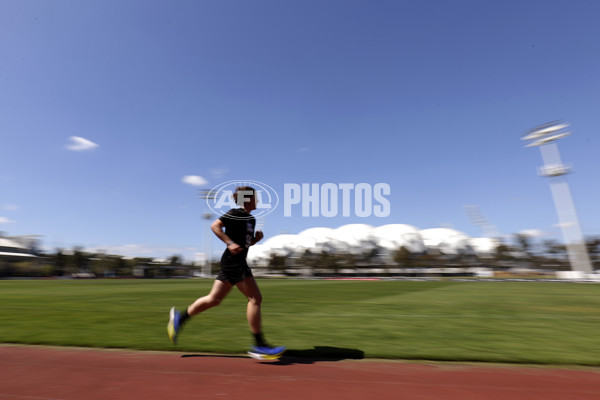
{"x":250,"y":289}
{"x":218,"y":292}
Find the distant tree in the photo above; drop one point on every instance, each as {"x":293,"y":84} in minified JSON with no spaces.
{"x":175,"y":261}
{"x":123,"y":268}
{"x":79,"y":260}
{"x":329,"y":261}
{"x":553,"y":249}
{"x":6,"y":268}
{"x":369,"y":257}
{"x":308,"y":260}
{"x":502,"y":254}
{"x":403,"y":257}
{"x":278,"y":263}
{"x":428,"y":259}
{"x":593,"y":247}
{"x":524,"y":242}
{"x":26,"y":269}
{"x":60,"y":262}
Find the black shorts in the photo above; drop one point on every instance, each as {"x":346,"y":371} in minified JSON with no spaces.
{"x":233,"y":269}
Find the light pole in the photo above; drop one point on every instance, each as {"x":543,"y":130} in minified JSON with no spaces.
{"x":544,"y":137}
{"x":207,"y":194}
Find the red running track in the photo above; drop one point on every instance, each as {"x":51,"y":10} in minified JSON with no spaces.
{"x":42,"y":373}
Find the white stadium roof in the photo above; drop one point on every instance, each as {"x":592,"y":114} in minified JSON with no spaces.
{"x":394,"y":236}
{"x":358,"y":238}
{"x":11,"y":244}
{"x":10,"y":248}
{"x":353,"y":238}
{"x":446,"y":240}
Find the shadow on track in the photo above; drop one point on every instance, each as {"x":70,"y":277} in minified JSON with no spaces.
{"x":308,"y":356}
{"x":318,"y":354}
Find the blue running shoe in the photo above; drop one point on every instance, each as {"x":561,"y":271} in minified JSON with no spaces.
{"x":268,"y":351}
{"x":173,"y":326}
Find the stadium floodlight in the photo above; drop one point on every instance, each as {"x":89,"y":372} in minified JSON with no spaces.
{"x":545,"y":137}
{"x":544,"y":130}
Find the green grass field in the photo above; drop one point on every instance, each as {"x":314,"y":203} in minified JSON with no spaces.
{"x":513,"y":322}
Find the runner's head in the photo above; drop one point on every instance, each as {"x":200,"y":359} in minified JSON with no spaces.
{"x":245,"y":197}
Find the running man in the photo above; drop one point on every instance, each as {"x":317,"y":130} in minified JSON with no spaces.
{"x":238,"y":235}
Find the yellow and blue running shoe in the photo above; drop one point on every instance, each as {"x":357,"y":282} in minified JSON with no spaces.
{"x":266,"y":352}
{"x":173,"y":326}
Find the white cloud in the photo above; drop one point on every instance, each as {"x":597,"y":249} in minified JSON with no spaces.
{"x":9,"y":207}
{"x":564,"y":225}
{"x":218,"y":172}
{"x":194,"y":180}
{"x":80,"y":144}
{"x":4,"y":220}
{"x":534,"y":233}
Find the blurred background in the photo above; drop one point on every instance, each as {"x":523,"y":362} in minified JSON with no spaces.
{"x":117,"y":114}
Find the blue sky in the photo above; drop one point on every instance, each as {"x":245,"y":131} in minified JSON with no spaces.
{"x":430,"y":97}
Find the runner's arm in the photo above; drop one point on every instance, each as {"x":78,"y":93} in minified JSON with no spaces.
{"x":217,"y":228}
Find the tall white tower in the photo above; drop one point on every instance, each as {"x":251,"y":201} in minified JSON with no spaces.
{"x":544,"y":137}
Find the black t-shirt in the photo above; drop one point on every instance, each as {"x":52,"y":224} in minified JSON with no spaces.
{"x":239,"y":226}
